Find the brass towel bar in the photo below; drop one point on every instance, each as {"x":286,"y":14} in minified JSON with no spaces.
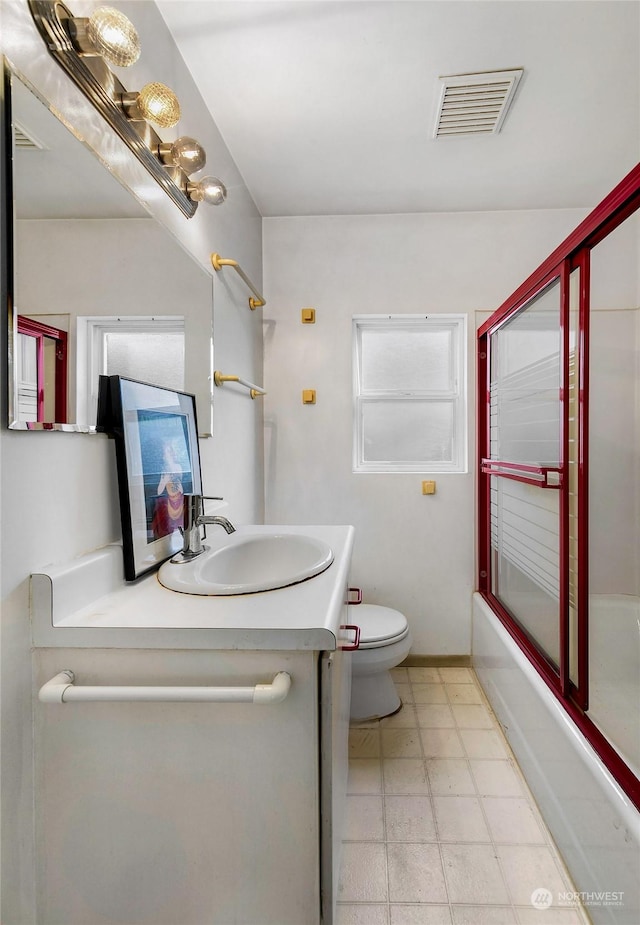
{"x":219,"y":262}
{"x":254,"y":390}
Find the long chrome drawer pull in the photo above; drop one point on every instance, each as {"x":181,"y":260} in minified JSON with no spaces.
{"x":61,"y":689}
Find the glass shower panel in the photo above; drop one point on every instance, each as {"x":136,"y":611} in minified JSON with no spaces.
{"x":525,"y":567}
{"x":525,"y":359}
{"x":525,"y":383}
{"x":614,"y":490}
{"x":559,"y":482}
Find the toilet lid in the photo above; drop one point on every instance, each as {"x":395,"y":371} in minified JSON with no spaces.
{"x":378,"y":625}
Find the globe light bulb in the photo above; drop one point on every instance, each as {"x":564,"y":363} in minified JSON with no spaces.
{"x":184,"y":152}
{"x":113,"y":36}
{"x":158,"y":104}
{"x":209,"y":189}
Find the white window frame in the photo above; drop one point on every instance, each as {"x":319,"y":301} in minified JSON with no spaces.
{"x":91,"y":352}
{"x":457,"y":396}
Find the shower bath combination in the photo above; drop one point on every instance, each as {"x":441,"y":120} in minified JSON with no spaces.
{"x":559,"y":534}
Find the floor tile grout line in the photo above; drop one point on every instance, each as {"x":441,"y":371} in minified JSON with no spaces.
{"x":384,"y":823}
{"x":526,"y":796}
{"x":514,"y":763}
{"x":436,"y":829}
{"x":549,"y":843}
{"x":479,"y":796}
{"x":487,"y":826}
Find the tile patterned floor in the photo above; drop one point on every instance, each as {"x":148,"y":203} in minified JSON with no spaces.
{"x":441,"y":828}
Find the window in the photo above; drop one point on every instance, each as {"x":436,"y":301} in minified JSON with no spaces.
{"x":128,"y":346}
{"x":409,"y":393}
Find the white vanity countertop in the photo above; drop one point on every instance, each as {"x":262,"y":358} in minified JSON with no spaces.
{"x":88,"y":604}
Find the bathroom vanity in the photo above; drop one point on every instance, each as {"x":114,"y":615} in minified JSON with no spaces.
{"x":185,"y":813}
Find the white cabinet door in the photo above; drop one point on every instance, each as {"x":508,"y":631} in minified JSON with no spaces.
{"x":178,"y":814}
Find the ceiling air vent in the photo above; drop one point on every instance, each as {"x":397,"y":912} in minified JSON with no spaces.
{"x":24,"y":141}
{"x":475,"y":104}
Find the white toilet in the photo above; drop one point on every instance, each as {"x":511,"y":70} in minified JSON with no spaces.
{"x":384,"y":642}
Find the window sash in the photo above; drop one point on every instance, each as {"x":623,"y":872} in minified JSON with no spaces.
{"x":454,"y":395}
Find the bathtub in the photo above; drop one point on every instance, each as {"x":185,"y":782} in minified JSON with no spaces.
{"x":594,"y":824}
{"x":614,"y":672}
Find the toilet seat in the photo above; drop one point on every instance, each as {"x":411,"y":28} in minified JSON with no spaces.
{"x":379,"y":626}
{"x":385,"y":641}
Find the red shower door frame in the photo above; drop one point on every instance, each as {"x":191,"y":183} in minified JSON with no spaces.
{"x":39,"y":331}
{"x":573,"y":254}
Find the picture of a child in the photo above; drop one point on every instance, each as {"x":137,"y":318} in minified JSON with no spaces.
{"x":169,"y":505}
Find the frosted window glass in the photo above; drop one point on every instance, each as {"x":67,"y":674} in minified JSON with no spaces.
{"x":412,"y":360}
{"x":407,"y":432}
{"x":409,"y":393}
{"x":135,"y":355}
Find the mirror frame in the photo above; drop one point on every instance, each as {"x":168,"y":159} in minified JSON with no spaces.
{"x":6,"y":241}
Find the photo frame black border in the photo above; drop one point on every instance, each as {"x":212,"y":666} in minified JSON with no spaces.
{"x":116,"y":404}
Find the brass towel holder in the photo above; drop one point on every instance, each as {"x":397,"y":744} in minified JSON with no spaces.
{"x":254,"y":390}
{"x":219,"y":262}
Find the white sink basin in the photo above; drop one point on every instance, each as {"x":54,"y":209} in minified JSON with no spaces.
{"x":247,"y":563}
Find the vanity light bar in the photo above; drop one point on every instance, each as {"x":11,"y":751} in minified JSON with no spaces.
{"x":69,"y":41}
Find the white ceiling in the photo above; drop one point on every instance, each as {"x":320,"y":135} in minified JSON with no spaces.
{"x":328,"y":107}
{"x":63,"y":179}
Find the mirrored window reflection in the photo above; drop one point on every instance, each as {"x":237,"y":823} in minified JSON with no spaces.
{"x":85,"y":247}
{"x":147,"y":349}
{"x":135,"y":355}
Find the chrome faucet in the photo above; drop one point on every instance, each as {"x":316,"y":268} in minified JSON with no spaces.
{"x":194,"y":517}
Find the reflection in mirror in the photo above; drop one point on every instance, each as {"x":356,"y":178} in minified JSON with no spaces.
{"x":100,"y":288}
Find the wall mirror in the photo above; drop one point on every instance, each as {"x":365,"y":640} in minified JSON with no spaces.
{"x":99,"y":286}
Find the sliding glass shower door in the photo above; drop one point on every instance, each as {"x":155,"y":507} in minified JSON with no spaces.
{"x":525,"y":454}
{"x":559,"y":474}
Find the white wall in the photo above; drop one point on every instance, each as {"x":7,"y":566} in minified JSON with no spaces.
{"x":412,"y":552}
{"x":121,"y":267}
{"x":58,"y":495}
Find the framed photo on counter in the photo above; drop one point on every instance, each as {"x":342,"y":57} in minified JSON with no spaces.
{"x":158,"y":461}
